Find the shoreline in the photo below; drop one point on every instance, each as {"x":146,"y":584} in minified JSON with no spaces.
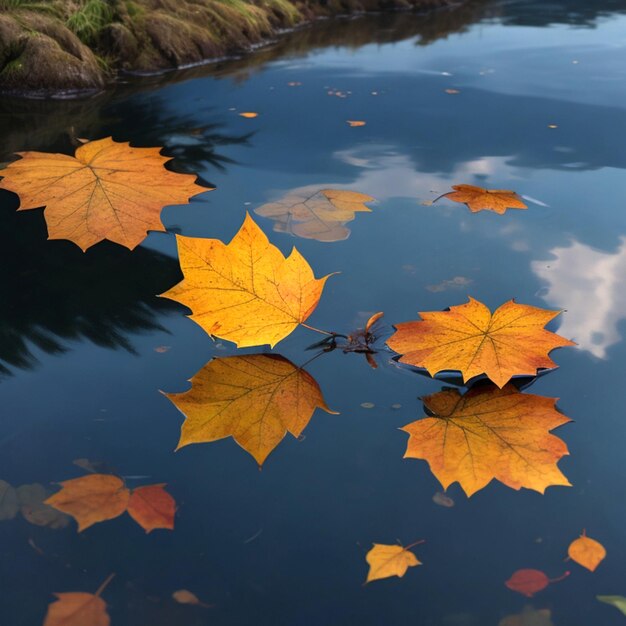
{"x":41,"y":58}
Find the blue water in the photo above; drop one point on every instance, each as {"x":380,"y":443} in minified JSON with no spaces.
{"x":285,"y":546}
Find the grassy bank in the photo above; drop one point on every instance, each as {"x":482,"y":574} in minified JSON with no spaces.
{"x":50,"y":47}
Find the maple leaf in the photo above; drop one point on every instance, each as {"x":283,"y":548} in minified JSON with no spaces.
{"x":245,"y":291}
{"x":528,"y":617}
{"x":528,"y":582}
{"x":108,"y":190}
{"x":321,"y":216}
{"x":152,"y":507}
{"x":586,"y":552}
{"x":389,"y":560}
{"x":256,"y":399}
{"x":100,"y":497}
{"x":468,"y":338}
{"x":79,"y":609}
{"x":479,"y":199}
{"x":490,"y":433}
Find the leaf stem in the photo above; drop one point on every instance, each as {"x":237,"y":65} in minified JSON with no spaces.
{"x":416,"y":543}
{"x":104,"y":585}
{"x":560,"y":578}
{"x":323,"y":332}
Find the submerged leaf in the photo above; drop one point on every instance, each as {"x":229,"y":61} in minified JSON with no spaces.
{"x":490,"y":433}
{"x":322,"y":215}
{"x":108,"y":190}
{"x":152,"y":507}
{"x":9,"y":505}
{"x":389,"y":560}
{"x":479,"y":199}
{"x":34,"y":509}
{"x":245,"y":291}
{"x":530,"y":581}
{"x":469,"y":338}
{"x":528,"y":617}
{"x":183,"y":596}
{"x":619,"y":602}
{"x":256,"y":399}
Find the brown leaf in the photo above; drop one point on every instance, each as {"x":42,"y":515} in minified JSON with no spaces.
{"x":152,"y":507}
{"x":479,"y":199}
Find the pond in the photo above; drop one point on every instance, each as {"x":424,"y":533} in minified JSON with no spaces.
{"x":520,"y":95}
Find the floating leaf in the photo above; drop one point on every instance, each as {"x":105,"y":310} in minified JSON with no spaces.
{"x":528,"y":617}
{"x":586,"y":552}
{"x":9,"y":505}
{"x":389,"y":560}
{"x":256,"y":399}
{"x":245,"y":291}
{"x":249,"y":114}
{"x":152,"y":507}
{"x":619,"y":602}
{"x":100,"y":497}
{"x":443,"y":500}
{"x":479,"y":199}
{"x":108,"y":190}
{"x":183,"y":596}
{"x":468,"y":338}
{"x":322,"y":215}
{"x":91,"y":499}
{"x":530,"y":581}
{"x":489,"y":433}
{"x":34,"y":510}
{"x":355,"y":123}
{"x":79,"y":609}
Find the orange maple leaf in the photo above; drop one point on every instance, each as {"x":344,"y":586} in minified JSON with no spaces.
{"x":256,"y":399}
{"x":479,"y":199}
{"x":108,"y":190}
{"x":100,"y":497}
{"x":490,"y":433}
{"x":79,"y":609}
{"x":245,"y":291}
{"x":587,"y":552}
{"x":468,"y":338}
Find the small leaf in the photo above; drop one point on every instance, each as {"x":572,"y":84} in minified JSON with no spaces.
{"x":152,"y":507}
{"x":619,"y":602}
{"x":389,"y":560}
{"x":183,"y":596}
{"x":245,"y":291}
{"x":587,"y":552}
{"x":249,"y":114}
{"x":34,"y":510}
{"x":530,"y":581}
{"x":479,"y":199}
{"x":355,"y":123}
{"x":528,"y":617}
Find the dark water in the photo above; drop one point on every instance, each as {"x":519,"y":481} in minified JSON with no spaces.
{"x":285,"y":546}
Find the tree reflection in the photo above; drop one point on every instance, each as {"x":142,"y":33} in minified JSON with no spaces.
{"x":54,"y":293}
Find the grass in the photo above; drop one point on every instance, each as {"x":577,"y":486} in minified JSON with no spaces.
{"x":89,"y":20}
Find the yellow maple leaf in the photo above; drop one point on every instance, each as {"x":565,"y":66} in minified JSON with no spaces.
{"x":468,"y":338}
{"x":586,"y":552}
{"x":479,"y":199}
{"x":490,"y":433}
{"x":389,"y":560}
{"x":256,"y":399}
{"x":108,"y":190}
{"x":245,"y":291}
{"x":322,"y":215}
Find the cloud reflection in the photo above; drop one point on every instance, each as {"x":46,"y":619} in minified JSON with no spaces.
{"x":591,"y":285}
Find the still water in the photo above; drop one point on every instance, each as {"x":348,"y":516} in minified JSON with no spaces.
{"x":86,"y":346}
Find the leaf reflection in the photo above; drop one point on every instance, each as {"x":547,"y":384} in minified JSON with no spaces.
{"x":255,"y":399}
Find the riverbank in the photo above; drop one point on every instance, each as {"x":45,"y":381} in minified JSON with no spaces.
{"x":66,"y":48}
